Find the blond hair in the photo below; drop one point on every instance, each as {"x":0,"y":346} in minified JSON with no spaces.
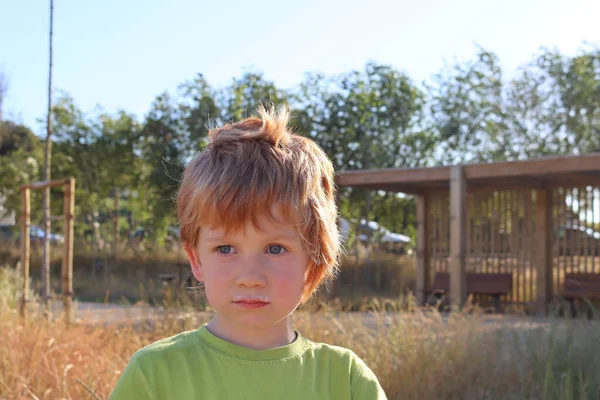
{"x":256,"y":163}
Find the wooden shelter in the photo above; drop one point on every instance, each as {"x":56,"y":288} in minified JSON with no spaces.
{"x":534,"y":221}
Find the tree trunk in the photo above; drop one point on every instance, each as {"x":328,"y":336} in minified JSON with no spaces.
{"x":117,"y":222}
{"x":368,"y":267}
{"x":96,"y":239}
{"x":356,"y":253}
{"x":405,"y":213}
{"x":47,"y":162}
{"x":92,"y":243}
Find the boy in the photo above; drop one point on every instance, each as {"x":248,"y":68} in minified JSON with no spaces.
{"x":257,"y":219}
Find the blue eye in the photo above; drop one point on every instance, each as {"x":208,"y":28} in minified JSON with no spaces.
{"x":276,"y":249}
{"x":224,"y":249}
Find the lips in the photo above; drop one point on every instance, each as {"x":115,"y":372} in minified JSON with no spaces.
{"x":251,"y":303}
{"x":254,"y":298}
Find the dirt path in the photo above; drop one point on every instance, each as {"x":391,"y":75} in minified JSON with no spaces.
{"x":107,"y":314}
{"x":100,"y":313}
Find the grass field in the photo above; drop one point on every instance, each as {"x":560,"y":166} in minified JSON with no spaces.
{"x":417,"y":354}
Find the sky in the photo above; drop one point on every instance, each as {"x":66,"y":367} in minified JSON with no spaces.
{"x":122,"y":54}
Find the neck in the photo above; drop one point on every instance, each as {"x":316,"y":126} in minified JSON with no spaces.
{"x":256,"y":338}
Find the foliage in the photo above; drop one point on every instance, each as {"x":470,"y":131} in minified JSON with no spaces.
{"x":376,"y":117}
{"x":11,"y":283}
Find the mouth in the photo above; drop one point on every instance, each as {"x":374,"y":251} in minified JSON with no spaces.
{"x":252,"y":304}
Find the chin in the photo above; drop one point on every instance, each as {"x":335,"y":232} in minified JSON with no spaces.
{"x":257,"y":318}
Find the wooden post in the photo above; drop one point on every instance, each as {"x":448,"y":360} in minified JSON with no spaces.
{"x":117,"y":221}
{"x":458,"y":286}
{"x":45,"y":276}
{"x":422,"y":251}
{"x":25,"y":217}
{"x":543,"y":246}
{"x":67,"y":261}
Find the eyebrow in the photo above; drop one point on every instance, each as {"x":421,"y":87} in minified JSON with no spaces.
{"x":215,"y":237}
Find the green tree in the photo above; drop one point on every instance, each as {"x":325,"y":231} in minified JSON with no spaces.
{"x":100,"y":153}
{"x":76,"y":155}
{"x":574,"y":89}
{"x":16,"y":137}
{"x":552,"y":106}
{"x":21,"y":158}
{"x":163,"y":150}
{"x":466,"y":111}
{"x":197,"y":108}
{"x":244,"y":95}
{"x":367,"y":119}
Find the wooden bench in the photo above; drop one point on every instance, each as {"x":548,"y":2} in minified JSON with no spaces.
{"x":490,"y":284}
{"x":167,"y":278}
{"x":581,"y":285}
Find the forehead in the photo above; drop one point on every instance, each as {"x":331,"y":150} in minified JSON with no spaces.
{"x":272,"y":225}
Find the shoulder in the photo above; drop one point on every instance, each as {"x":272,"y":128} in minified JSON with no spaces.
{"x":339,"y":355}
{"x":329,"y":351}
{"x":347,"y":365}
{"x":166,"y":348}
{"x":149,"y":366}
{"x":166,"y":357}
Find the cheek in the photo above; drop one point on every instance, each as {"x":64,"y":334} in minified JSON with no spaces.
{"x":217,"y":276}
{"x":288,"y":281}
{"x":216,"y":281}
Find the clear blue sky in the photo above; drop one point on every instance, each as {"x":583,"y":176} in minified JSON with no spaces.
{"x":121,"y":54}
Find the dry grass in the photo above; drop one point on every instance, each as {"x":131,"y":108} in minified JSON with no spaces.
{"x":98,"y":276}
{"x":416,"y":354}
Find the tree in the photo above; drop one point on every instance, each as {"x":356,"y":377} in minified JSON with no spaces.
{"x":466,"y":111}
{"x":244,"y":95}
{"x":16,"y":136}
{"x":370,"y":118}
{"x":574,"y":88}
{"x":76,"y":155}
{"x":197,"y":108}
{"x":163,"y":141}
{"x":551,"y":107}
{"x":21,"y":156}
{"x":366,"y":119}
{"x":101,"y":153}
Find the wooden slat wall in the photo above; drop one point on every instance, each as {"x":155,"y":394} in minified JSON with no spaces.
{"x":438,"y":232}
{"x":499,"y":227}
{"x":503,"y":222}
{"x":501,"y":233}
{"x":577,"y":239}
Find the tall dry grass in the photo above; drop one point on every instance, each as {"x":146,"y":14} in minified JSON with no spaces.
{"x":97,"y":276}
{"x":417,"y":354}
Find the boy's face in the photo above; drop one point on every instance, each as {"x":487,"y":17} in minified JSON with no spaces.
{"x":253,"y":278}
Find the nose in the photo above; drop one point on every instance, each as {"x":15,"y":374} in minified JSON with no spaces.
{"x":251,"y":276}
{"x":250,"y":280}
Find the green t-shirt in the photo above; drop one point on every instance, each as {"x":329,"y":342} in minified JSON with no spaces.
{"x":199,"y":365}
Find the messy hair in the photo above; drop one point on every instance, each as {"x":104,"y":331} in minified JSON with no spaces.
{"x":256,"y":163}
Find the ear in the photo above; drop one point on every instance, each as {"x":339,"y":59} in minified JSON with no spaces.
{"x":194,"y":258}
